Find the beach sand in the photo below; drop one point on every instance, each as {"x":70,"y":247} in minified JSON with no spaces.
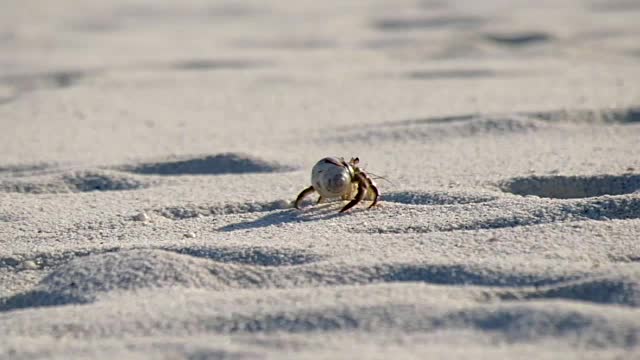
{"x":150,"y":153}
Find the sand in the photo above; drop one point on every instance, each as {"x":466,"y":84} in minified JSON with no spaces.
{"x":149,"y":155}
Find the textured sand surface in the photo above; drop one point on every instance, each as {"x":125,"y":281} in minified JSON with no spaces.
{"x":149,"y":154}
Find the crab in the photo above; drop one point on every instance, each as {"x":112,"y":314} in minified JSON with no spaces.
{"x":333,"y":178}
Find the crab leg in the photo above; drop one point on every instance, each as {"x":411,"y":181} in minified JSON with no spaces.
{"x":374,"y":189}
{"x":301,"y":196}
{"x":362,"y":191}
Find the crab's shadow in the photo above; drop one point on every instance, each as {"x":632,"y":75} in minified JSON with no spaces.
{"x":281,"y":217}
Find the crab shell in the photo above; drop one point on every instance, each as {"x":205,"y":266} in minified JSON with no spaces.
{"x":332,"y":177}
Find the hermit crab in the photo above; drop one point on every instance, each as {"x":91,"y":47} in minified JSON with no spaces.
{"x":333,"y":177}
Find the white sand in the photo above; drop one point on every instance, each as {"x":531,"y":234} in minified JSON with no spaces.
{"x":149,"y":154}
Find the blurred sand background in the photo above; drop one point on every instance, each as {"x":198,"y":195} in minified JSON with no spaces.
{"x":149,"y":153}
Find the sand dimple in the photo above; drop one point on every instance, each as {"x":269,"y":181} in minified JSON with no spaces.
{"x":519,"y":322}
{"x":427,"y":23}
{"x":258,"y":256}
{"x":602,"y":209}
{"x":19,"y":170}
{"x":447,"y":274}
{"x":453,"y":74}
{"x":630,"y":258}
{"x":216,"y":64}
{"x":250,"y":255}
{"x":98,"y":181}
{"x":194,"y":211}
{"x":519,"y":39}
{"x":7,"y":99}
{"x":50,"y":80}
{"x":474,"y":125}
{"x":440,"y":128}
{"x":621,"y":116}
{"x":19,"y":84}
{"x":294,"y":44}
{"x":140,"y":13}
{"x":527,"y":212}
{"x":436,"y":197}
{"x":48,"y":260}
{"x":608,"y":289}
{"x":615,"y":5}
{"x":78,"y":181}
{"x":227,"y":163}
{"x":569,"y":187}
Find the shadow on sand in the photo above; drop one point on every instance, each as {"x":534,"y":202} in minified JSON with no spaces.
{"x":280,"y":218}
